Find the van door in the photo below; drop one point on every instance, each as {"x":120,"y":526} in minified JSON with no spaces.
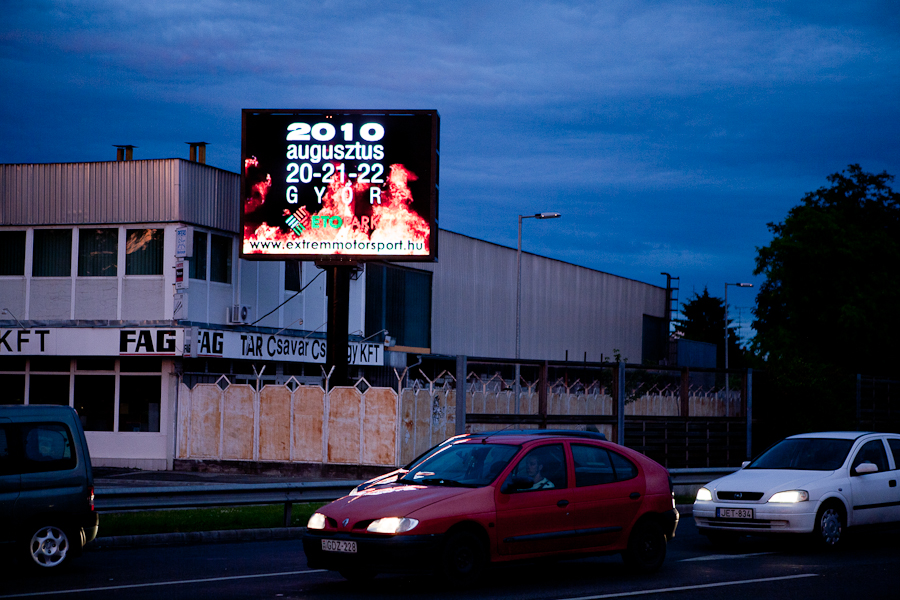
{"x":10,"y":477}
{"x":52,"y":479}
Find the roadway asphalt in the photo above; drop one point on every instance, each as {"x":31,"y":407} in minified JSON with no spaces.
{"x":110,"y":477}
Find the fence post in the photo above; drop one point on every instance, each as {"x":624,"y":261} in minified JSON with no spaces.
{"x":461,"y":394}
{"x":685,"y":392}
{"x":542,"y":395}
{"x":620,"y":402}
{"x":858,"y":402}
{"x":615,"y":401}
{"x":749,"y":414}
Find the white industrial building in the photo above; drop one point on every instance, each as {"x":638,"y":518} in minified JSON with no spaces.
{"x":120,"y":279}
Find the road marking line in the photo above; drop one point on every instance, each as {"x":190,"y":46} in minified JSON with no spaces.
{"x":687,"y":588}
{"x":161,"y":583}
{"x":724,"y":556}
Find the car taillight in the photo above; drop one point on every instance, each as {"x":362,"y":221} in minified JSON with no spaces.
{"x":91,"y":496}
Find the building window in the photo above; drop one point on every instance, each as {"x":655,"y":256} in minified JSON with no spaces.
{"x":52,"y":253}
{"x":220,"y":259}
{"x":399,"y":300}
{"x":12,"y":388}
{"x":139,"y":403}
{"x":292,"y":281}
{"x":197,"y":263}
{"x":48,"y":389}
{"x":144,"y":252}
{"x":12,"y":252}
{"x":95,"y":399}
{"x":98,"y":252}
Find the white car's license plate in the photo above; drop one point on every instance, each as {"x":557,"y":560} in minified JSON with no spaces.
{"x":339,"y":546}
{"x":734,"y":513}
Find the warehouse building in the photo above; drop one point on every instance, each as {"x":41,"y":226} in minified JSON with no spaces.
{"x":119,"y":280}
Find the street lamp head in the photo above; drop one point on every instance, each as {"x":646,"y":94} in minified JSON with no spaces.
{"x":547,"y":215}
{"x":744,"y":285}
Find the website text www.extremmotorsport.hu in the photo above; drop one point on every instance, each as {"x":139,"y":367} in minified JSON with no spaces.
{"x":352,"y":246}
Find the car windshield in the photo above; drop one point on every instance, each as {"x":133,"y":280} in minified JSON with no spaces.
{"x":805,"y":454}
{"x":462,"y":464}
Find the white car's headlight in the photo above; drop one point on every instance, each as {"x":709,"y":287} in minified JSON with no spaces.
{"x":316,"y":521}
{"x":392,"y":525}
{"x":790,"y":497}
{"x":704,"y":495}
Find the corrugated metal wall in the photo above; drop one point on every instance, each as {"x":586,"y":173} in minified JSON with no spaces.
{"x":139,"y":191}
{"x":565,"y":307}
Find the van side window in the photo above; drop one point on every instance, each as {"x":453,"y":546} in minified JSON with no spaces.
{"x":48,"y":447}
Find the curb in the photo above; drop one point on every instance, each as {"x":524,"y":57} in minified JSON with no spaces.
{"x":197,"y":537}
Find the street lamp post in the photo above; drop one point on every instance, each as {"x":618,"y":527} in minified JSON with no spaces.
{"x":544,"y":215}
{"x":743,"y":285}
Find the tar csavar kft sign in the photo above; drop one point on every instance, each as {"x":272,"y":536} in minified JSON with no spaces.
{"x":175,"y":342}
{"x":262,"y":346}
{"x":354,"y":184}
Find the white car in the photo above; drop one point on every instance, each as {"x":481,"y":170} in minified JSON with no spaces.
{"x":819,"y":483}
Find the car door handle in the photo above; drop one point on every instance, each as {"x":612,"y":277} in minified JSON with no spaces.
{"x":562,"y":503}
{"x":892,"y":483}
{"x":635,"y":495}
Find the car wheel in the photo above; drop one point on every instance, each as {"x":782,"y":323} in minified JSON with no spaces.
{"x":646,"y":547}
{"x":464,"y":558}
{"x":829,"y":531}
{"x":49,"y":546}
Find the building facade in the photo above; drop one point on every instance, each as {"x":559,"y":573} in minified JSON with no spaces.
{"x":120,"y":280}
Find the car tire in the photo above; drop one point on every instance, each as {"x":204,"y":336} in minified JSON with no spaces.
{"x":830,"y":526}
{"x":464,"y":559}
{"x":646,"y":550}
{"x":49,"y":546}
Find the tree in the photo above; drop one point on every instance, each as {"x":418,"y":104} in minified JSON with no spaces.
{"x":830,"y":303}
{"x":704,"y":321}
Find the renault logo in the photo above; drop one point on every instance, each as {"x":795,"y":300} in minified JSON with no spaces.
{"x":345,"y":522}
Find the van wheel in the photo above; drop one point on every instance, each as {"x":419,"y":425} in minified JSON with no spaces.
{"x":49,"y":546}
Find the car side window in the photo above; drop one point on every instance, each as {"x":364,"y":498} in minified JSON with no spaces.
{"x":48,"y":447}
{"x":895,"y":450}
{"x":871,"y":452}
{"x":545,"y":466}
{"x":592,"y":465}
{"x":625,"y":469}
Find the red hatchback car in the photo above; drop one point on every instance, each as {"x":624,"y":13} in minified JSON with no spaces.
{"x":496,"y":497}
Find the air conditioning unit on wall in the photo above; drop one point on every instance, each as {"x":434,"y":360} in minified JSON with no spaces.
{"x":239,"y":313}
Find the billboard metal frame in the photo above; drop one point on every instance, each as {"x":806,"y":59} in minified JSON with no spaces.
{"x":418,"y":121}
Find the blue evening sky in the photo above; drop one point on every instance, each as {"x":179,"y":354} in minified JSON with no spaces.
{"x":667,"y":133}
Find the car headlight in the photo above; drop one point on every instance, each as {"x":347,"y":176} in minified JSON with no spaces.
{"x":704,"y":495}
{"x":790,"y":497}
{"x":392,"y":525}
{"x":316,"y":521}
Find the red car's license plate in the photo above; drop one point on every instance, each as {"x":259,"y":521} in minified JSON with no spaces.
{"x":339,"y":546}
{"x":734,"y":513}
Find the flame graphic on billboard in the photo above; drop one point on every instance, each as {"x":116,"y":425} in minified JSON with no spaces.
{"x":391,"y":226}
{"x":258,"y":196}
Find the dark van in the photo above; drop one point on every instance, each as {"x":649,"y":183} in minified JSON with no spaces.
{"x":46,"y":484}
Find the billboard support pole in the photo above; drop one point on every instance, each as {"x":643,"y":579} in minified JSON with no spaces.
{"x":337,"y":349}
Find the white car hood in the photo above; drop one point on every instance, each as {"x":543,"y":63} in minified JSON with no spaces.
{"x":767,"y":480}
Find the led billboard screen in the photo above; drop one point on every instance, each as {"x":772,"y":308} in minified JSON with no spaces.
{"x":341,"y":184}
